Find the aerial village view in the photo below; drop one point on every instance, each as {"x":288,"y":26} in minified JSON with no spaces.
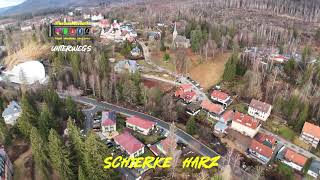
{"x":234,"y":81}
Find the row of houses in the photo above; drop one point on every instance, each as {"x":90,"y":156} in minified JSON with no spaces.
{"x":263,"y":147}
{"x":128,"y":143}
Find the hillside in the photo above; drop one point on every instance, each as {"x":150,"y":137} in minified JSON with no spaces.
{"x":34,"y":5}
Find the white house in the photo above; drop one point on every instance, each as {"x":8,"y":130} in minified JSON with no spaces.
{"x":97,"y":17}
{"x":214,"y":110}
{"x":310,"y":134}
{"x":130,"y":144}
{"x":108,"y":121}
{"x":12,"y":113}
{"x":26,"y":28}
{"x":259,"y":110}
{"x":291,"y":158}
{"x":245,"y":124}
{"x":140,"y":125}
{"x":221,"y":97}
{"x":262,"y":148}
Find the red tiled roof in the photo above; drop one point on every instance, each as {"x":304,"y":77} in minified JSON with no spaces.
{"x":142,"y":123}
{"x":187,"y":96}
{"x":261,"y":148}
{"x":108,"y":122}
{"x":155,"y":150}
{"x":182,"y":89}
{"x":186,"y":86}
{"x":260,"y":106}
{"x":166,"y":143}
{"x":211,"y":107}
{"x":108,"y":118}
{"x":311,"y":129}
{"x":219,"y":95}
{"x":295,"y":157}
{"x":228,"y":115}
{"x":128,"y":142}
{"x":246,"y":120}
{"x":261,"y":137}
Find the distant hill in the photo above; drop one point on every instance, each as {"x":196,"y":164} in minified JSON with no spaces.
{"x":34,"y":5}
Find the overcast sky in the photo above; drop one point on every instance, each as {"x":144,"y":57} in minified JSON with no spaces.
{"x":7,"y":3}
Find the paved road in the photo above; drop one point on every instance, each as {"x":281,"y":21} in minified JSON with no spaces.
{"x":290,"y":145}
{"x":186,"y":138}
{"x":181,"y":135}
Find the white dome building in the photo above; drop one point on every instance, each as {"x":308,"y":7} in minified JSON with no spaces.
{"x":27,"y":73}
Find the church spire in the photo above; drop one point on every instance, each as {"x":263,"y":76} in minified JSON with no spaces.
{"x":175,"y":33}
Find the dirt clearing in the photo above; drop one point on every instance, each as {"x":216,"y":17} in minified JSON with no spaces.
{"x":31,"y":51}
{"x":210,"y":72}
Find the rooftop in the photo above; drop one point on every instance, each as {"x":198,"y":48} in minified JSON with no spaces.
{"x":295,"y":157}
{"x":12,"y":108}
{"x":211,"y":107}
{"x":128,"y":142}
{"x":142,"y":123}
{"x":219,"y":95}
{"x":260,"y":106}
{"x":228,"y":115}
{"x":315,"y":166}
{"x":261,"y":148}
{"x":246,"y":120}
{"x":187,"y":96}
{"x":311,"y":129}
{"x":266,"y":139}
{"x":108,"y":118}
{"x":221,"y":126}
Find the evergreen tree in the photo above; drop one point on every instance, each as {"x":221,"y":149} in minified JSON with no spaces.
{"x":230,"y":68}
{"x":81,"y":175}
{"x":196,"y":37}
{"x":28,"y":116}
{"x":71,"y":107}
{"x":54,"y":102}
{"x":38,"y":151}
{"x":289,"y":67}
{"x":3,"y":131}
{"x":166,"y":57}
{"x":75,"y":64}
{"x":46,"y":122}
{"x":95,"y":152}
{"x":191,"y":126}
{"x":76,"y":146}
{"x":303,"y":115}
{"x":29,"y":111}
{"x":59,"y":156}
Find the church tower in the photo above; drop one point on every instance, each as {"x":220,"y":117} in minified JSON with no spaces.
{"x":175,"y":33}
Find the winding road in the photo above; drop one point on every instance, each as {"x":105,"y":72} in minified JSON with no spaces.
{"x":193,"y":143}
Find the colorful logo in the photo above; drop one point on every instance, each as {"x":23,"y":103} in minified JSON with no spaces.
{"x":57,"y":31}
{"x":80,"y":31}
{"x":72,"y":31}
{"x":65,"y":31}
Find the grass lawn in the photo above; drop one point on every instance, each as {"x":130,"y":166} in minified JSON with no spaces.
{"x":241,"y":107}
{"x":149,"y":139}
{"x":301,"y":143}
{"x":275,"y":126}
{"x":286,"y":133}
{"x":147,"y":152}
